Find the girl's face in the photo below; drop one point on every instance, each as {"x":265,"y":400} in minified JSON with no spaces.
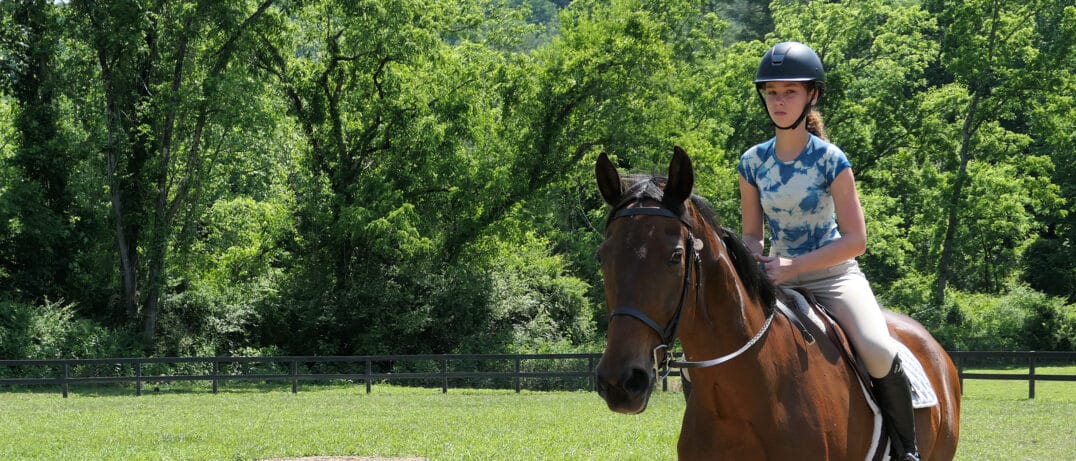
{"x":785,"y":101}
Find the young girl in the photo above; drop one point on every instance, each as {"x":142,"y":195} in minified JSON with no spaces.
{"x":801,"y":186}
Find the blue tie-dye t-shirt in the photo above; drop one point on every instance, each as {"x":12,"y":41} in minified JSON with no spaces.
{"x":796,"y":196}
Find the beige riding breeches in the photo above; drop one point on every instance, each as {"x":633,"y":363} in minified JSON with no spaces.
{"x":845,"y":292}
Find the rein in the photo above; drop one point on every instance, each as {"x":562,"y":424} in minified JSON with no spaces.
{"x":662,"y":367}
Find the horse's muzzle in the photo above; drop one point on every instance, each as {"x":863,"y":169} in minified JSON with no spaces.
{"x":625,"y":389}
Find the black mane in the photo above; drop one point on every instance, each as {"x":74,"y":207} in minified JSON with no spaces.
{"x":650,"y":187}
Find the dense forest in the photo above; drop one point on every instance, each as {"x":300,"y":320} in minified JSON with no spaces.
{"x":218,"y":177}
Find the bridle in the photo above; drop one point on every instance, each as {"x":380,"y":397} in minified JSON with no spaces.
{"x":663,"y":366}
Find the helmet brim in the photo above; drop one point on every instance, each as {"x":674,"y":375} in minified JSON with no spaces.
{"x":785,"y":79}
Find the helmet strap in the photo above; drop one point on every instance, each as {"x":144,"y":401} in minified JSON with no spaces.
{"x":803,"y":116}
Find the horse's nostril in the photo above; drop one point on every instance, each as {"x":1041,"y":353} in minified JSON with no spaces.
{"x":639,"y":382}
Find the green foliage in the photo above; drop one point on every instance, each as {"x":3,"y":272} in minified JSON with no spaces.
{"x":237,"y":270}
{"x":1019,"y":319}
{"x":38,"y":206}
{"x":533,"y":300}
{"x":1048,"y":266}
{"x":1050,"y":262}
{"x":340,"y":177}
{"x":1022,"y":319}
{"x":52,"y":330}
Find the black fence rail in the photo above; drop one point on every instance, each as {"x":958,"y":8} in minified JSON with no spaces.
{"x":503,"y":371}
{"x":478,"y":370}
{"x":1015,"y":360}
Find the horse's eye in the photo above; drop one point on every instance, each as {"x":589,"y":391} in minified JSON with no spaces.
{"x":677,"y":256}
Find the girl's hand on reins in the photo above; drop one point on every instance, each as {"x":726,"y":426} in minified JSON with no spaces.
{"x":779,"y":269}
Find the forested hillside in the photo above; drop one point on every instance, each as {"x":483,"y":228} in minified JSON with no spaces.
{"x":223,"y":177}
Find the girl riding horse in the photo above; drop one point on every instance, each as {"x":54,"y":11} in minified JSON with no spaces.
{"x":802,"y":188}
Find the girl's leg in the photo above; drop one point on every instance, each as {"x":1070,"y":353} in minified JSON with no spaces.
{"x":845,"y":292}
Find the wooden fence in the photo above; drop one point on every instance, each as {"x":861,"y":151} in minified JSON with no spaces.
{"x":489,"y":370}
{"x":1030,"y":359}
{"x":517,"y":368}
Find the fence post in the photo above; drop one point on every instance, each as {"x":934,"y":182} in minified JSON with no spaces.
{"x":519,"y":374}
{"x":960,"y":373}
{"x":63,"y":381}
{"x":444,"y":375}
{"x":294,"y":377}
{"x":590,"y":369}
{"x":367,"y":377}
{"x":138,"y":378}
{"x":216,"y":374}
{"x":1031,"y":375}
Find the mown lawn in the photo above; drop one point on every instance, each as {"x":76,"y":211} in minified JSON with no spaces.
{"x":999,"y":422}
{"x":392,"y":421}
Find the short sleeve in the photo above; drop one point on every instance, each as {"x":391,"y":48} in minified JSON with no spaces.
{"x":747,"y":165}
{"x":835,"y":162}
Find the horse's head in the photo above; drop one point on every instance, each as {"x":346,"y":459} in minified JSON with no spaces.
{"x":648,"y":257}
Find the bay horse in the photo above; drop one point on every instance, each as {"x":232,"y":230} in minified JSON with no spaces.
{"x":671,"y":271}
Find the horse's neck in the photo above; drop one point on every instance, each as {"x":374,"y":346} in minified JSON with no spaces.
{"x":724,"y":317}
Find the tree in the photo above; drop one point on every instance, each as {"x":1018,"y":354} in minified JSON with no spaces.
{"x":161,"y":68}
{"x":394,"y":125}
{"x":1001,"y":60}
{"x":38,"y":237}
{"x":1052,"y":117}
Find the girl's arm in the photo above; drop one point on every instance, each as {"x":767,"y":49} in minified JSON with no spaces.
{"x":751,"y":215}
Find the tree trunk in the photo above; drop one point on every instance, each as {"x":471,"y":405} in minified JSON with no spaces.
{"x":957,"y":196}
{"x":127,"y":83}
{"x":127,"y":257}
{"x":982,"y":87}
{"x":165,"y":210}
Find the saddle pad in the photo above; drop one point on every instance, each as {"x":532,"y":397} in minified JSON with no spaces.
{"x":923,"y":395}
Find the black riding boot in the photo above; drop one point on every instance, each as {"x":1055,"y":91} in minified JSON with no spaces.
{"x":894,"y":396}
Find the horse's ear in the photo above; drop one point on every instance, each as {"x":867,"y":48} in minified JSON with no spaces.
{"x":681,"y":180}
{"x":608,"y":179}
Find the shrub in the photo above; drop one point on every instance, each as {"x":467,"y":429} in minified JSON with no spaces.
{"x":52,"y":331}
{"x":1020,"y":319}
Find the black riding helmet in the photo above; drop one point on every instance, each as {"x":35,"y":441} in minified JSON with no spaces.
{"x":790,"y":62}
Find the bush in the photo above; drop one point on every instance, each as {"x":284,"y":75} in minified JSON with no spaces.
{"x":51,"y":331}
{"x":534,"y":299}
{"x":1055,"y":254}
{"x":1019,"y":319}
{"x":912,"y":294}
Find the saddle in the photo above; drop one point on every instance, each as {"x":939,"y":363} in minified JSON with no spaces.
{"x":813,"y":321}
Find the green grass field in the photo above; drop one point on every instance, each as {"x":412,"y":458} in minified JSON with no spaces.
{"x":999,"y":422}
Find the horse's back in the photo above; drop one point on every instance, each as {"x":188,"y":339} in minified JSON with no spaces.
{"x":938,"y":427}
